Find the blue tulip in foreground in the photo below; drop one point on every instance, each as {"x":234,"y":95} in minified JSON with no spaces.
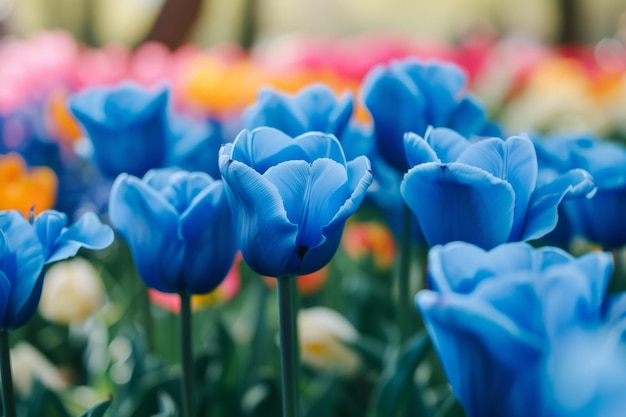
{"x":179,"y":227}
{"x":292,"y":197}
{"x":483,"y":192}
{"x":24,"y":250}
{"x":502,"y":321}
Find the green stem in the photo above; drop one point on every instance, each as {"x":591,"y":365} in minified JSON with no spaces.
{"x":8,"y":396}
{"x":289,"y":347}
{"x":186,"y":357}
{"x":403,"y":277}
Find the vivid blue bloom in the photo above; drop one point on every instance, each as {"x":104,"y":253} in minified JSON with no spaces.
{"x":127,"y":126}
{"x":314,"y":108}
{"x":495,"y":317}
{"x":482,"y":192}
{"x":179,"y":227}
{"x":292,"y":196}
{"x":61,"y":242}
{"x":410,"y":96}
{"x":601,"y":218}
{"x":24,"y":250}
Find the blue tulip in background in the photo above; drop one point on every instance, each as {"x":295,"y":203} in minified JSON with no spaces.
{"x":127,"y":126}
{"x":483,"y":192}
{"x":496,"y":317}
{"x":601,"y":218}
{"x":292,"y":197}
{"x":24,"y":250}
{"x":314,"y":108}
{"x":179,"y":227}
{"x":411,"y":95}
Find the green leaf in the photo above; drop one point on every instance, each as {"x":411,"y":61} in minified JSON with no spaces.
{"x":391,"y":392}
{"x":42,"y":402}
{"x":98,"y":410}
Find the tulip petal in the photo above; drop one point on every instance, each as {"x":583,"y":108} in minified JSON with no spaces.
{"x":468,"y":117}
{"x":88,"y":232}
{"x":277,"y":111}
{"x":418,"y":150}
{"x":268,"y":238}
{"x":151,"y":228}
{"x":311,"y":194}
{"x":207,"y":227}
{"x":515,"y":161}
{"x":458,"y":326}
{"x":397,"y":107}
{"x":542,"y":215}
{"x":447,"y":144}
{"x":441,"y":83}
{"x":24,"y":261}
{"x":599,"y":268}
{"x":459,"y":202}
{"x":49,"y":225}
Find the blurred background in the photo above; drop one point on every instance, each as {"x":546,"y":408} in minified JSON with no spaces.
{"x":211,"y":22}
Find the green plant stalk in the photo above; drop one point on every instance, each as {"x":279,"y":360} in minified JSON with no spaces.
{"x":186,"y":356}
{"x":403,"y":277}
{"x":289,"y":347}
{"x":8,"y":395}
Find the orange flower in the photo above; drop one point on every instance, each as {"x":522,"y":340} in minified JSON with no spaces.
{"x":65,"y":127}
{"x":307,"y":284}
{"x":22,"y":189}
{"x":369,"y":239}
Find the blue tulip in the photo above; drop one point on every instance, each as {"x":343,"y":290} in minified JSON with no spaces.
{"x":179,"y":227}
{"x":600,"y":218}
{"x":494,"y":317}
{"x":292,"y":196}
{"x":127,"y":126}
{"x":24,"y":250}
{"x":314,"y":108}
{"x":482,"y":192}
{"x":410,"y":96}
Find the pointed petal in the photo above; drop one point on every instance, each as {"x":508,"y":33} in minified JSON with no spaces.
{"x":49,"y":225}
{"x":598,"y":266}
{"x":151,"y":227}
{"x":447,"y":144}
{"x":88,"y":232}
{"x":515,"y":161}
{"x":542,"y":216}
{"x":267,"y":237}
{"x":459,"y":202}
{"x":418,"y":150}
{"x":339,"y":118}
{"x":317,"y":145}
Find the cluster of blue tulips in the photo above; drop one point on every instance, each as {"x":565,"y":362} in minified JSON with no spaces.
{"x":520,"y":330}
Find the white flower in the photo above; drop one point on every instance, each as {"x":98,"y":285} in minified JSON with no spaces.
{"x":72,"y":291}
{"x":323,"y":333}
{"x":27,"y":363}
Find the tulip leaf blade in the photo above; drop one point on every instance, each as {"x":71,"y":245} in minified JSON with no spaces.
{"x":99,"y":409}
